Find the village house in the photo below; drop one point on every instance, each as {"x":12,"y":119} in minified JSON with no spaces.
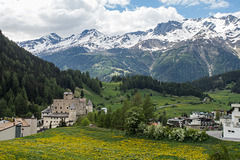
{"x":11,"y":128}
{"x":196,"y":120}
{"x":67,"y":109}
{"x":231,"y":127}
{"x":176,"y":121}
{"x":200,"y":120}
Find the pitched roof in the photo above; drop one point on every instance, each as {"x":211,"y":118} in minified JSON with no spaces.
{"x":72,"y":107}
{"x":47,"y":110}
{"x":83,"y":100}
{"x":7,"y":125}
{"x":89,"y":103}
{"x":24,"y":123}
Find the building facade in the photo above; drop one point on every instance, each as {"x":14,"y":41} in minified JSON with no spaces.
{"x":231,"y":127}
{"x":67,"y":109}
{"x":17,"y":127}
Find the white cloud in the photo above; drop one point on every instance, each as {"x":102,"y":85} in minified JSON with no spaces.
{"x":219,"y":15}
{"x":181,"y":2}
{"x":28,"y":19}
{"x":113,"y":3}
{"x":212,"y":4}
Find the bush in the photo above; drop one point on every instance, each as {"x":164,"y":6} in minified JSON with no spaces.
{"x":196,"y":135}
{"x":149,"y":131}
{"x":85,"y":122}
{"x":177,"y":134}
{"x":159,"y":132}
{"x":134,"y":117}
{"x":221,"y":152}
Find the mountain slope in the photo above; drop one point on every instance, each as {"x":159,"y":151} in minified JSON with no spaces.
{"x":27,"y":81}
{"x":172,"y":51}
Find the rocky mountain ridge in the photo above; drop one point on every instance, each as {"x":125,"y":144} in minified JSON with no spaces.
{"x":200,"y":47}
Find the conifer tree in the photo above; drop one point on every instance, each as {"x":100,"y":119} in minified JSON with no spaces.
{"x":148,"y":109}
{"x":82,"y":94}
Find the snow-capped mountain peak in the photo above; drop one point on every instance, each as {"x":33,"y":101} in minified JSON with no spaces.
{"x":162,"y":37}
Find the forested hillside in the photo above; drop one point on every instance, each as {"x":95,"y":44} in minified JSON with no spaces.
{"x":142,"y":82}
{"x":219,"y":81}
{"x":26,"y":81}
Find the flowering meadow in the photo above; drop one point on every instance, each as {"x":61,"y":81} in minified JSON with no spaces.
{"x":87,"y":143}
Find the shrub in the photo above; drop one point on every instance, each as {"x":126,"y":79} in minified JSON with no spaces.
{"x":221,"y":152}
{"x":149,"y":131}
{"x":178,"y":134}
{"x":159,"y":132}
{"x":85,"y":122}
{"x":196,"y":135}
{"x":134,"y":117}
{"x":141,"y":127}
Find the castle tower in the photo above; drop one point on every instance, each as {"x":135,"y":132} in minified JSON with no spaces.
{"x":72,"y":113}
{"x":89,"y":106}
{"x":68,"y":95}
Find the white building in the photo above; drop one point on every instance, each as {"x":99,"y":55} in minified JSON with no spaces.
{"x":17,"y":127}
{"x":197,"y":115}
{"x":29,"y":125}
{"x":231,"y":127}
{"x":104,"y":109}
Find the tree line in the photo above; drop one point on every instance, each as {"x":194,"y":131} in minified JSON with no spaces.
{"x":141,"y":82}
{"x":219,"y":81}
{"x":28,"y":83}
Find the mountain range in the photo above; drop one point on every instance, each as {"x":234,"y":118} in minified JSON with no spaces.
{"x":176,"y":51}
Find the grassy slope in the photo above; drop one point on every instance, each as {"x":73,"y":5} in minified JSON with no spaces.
{"x":221,"y":100}
{"x":94,"y":143}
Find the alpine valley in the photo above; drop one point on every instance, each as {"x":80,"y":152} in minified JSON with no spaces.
{"x":172,"y":51}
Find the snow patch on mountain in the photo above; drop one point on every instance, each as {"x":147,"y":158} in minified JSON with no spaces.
{"x":162,"y":37}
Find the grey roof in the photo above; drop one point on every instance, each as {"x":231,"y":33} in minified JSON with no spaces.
{"x":226,"y":117}
{"x":58,"y":115}
{"x":68,"y":93}
{"x":72,"y":107}
{"x":89,"y":103}
{"x":47,"y":110}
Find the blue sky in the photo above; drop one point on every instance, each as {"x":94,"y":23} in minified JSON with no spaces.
{"x":188,"y":11}
{"x":29,"y":19}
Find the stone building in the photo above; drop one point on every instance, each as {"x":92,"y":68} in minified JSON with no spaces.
{"x":67,"y":109}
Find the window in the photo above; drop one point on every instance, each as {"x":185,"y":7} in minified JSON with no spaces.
{"x":231,"y":131}
{"x":67,"y":107}
{"x":239,"y":109}
{"x":55,"y":107}
{"x":60,"y":107}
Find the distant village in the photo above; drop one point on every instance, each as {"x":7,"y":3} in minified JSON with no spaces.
{"x":68,"y":109}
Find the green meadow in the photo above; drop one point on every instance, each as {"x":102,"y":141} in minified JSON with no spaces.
{"x":175,"y":106}
{"x":98,"y":143}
